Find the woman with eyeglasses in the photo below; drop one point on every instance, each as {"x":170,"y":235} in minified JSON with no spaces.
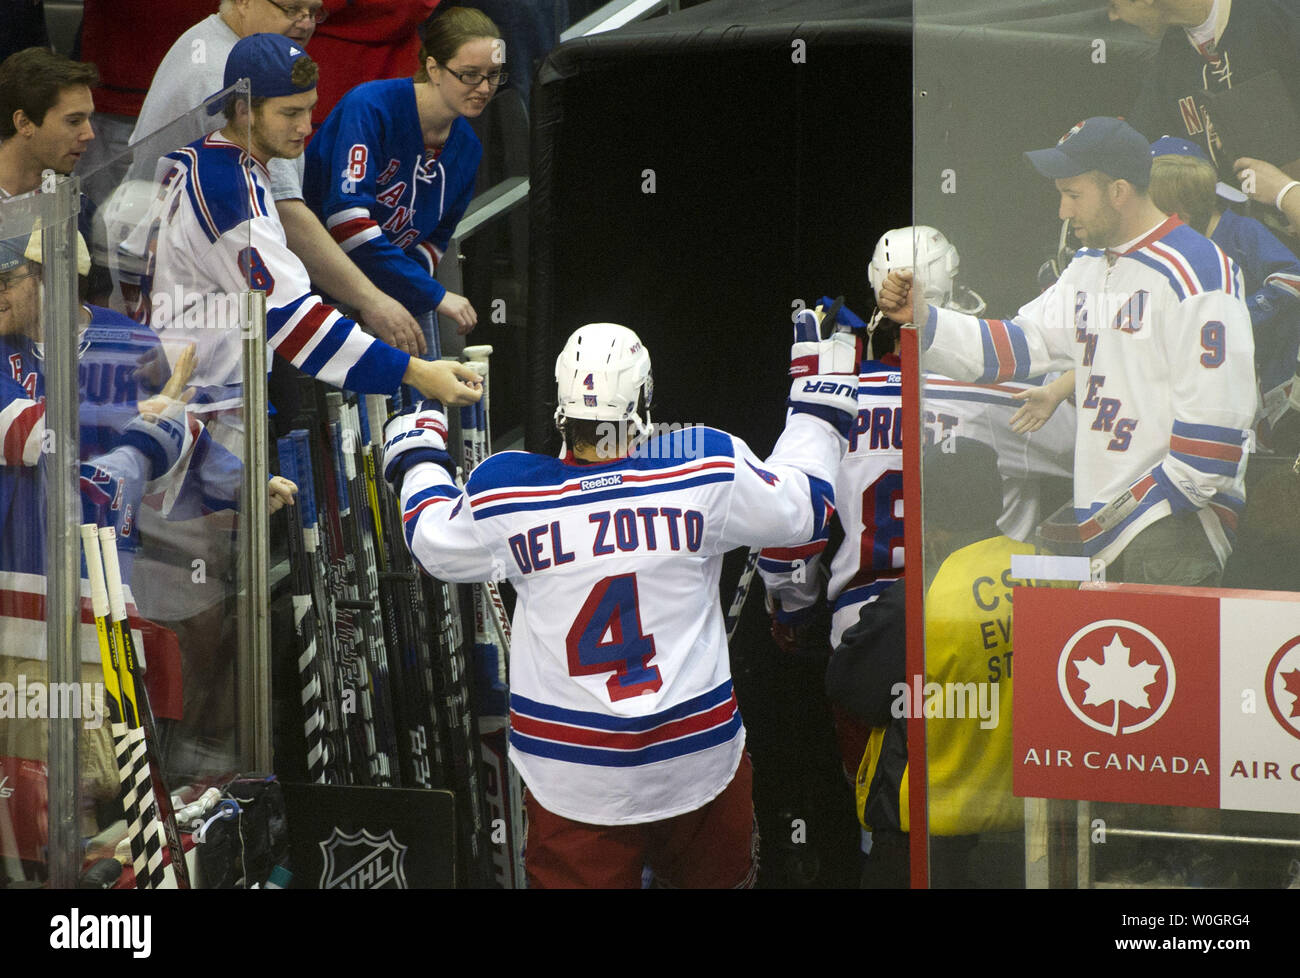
{"x":392,"y":169}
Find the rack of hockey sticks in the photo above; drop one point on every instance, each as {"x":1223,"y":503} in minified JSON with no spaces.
{"x":151,"y":823}
{"x":385,"y":689}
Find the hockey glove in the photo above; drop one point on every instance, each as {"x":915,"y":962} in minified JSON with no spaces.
{"x":418,"y":434}
{"x":812,"y":355}
{"x":158,"y":432}
{"x":797,"y":632}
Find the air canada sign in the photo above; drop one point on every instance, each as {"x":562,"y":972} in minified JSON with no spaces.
{"x":1171,"y":696}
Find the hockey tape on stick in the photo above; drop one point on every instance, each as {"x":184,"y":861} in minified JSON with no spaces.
{"x":742,"y":592}
{"x":147,"y":730}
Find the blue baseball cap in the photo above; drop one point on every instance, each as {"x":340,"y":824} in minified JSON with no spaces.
{"x":13,"y":253}
{"x":1174,"y":146}
{"x":266,"y":60}
{"x":1100,"y":143}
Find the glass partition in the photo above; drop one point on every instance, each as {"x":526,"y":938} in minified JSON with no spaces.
{"x":50,"y":697}
{"x":175,"y":250}
{"x":153,"y":388}
{"x":1104,"y":703}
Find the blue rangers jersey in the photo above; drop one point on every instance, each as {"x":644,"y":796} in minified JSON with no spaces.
{"x":621,"y":701}
{"x":391,"y":203}
{"x":1272,"y":278}
{"x":1160,"y":338}
{"x":216,"y":234}
{"x":869,"y":487}
{"x":117,"y":367}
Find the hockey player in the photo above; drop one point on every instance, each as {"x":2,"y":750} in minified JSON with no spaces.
{"x":624,"y":725}
{"x":392,"y":169}
{"x":217,"y":236}
{"x":869,"y":490}
{"x":1152,"y":315}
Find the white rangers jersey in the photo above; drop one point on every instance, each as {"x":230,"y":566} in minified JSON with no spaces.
{"x":621,"y":702}
{"x":869,"y":488}
{"x":218,"y":235}
{"x":1160,"y":337}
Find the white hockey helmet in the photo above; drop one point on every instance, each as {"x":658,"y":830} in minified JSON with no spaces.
{"x":602,"y":374}
{"x":120,"y":232}
{"x":923,"y":249}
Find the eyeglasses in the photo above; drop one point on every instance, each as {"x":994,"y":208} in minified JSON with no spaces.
{"x":7,"y":281}
{"x":296,"y":13}
{"x":474,"y":79}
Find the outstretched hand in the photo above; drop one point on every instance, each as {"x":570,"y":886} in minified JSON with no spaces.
{"x":1036,"y":410}
{"x":454,"y":384}
{"x":175,"y":390}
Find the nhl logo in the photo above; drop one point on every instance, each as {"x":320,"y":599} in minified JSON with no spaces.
{"x":362,"y":861}
{"x":1116,"y":676}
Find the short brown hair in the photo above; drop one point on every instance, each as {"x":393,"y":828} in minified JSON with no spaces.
{"x":1184,"y":185}
{"x":442,"y":35}
{"x":32,"y":79}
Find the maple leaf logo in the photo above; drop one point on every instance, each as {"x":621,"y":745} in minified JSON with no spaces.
{"x":1115,"y":679}
{"x":1292,"y":682}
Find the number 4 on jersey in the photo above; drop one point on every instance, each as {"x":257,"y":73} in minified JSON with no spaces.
{"x":607,"y":636}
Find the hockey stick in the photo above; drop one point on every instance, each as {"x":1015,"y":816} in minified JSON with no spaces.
{"x":147,"y":727}
{"x":332,"y":691}
{"x":132,"y":769}
{"x":304,"y":624}
{"x":742,"y":592}
{"x":494,"y":731}
{"x":361,"y":591}
{"x":403,"y":605}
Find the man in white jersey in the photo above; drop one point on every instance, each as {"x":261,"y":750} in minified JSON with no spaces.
{"x":624,"y":725}
{"x":1152,"y":317}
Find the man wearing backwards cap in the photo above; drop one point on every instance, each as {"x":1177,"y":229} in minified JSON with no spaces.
{"x":219,"y":234}
{"x":1151,"y":316}
{"x":192,"y":70}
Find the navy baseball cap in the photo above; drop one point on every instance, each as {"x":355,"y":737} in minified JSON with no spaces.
{"x":1100,"y":143}
{"x":1174,"y":146}
{"x":266,"y":60}
{"x":13,"y":253}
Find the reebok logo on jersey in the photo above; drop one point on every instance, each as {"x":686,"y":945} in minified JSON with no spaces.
{"x":601,"y":482}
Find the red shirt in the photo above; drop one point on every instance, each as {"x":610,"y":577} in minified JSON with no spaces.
{"x":127,"y":39}
{"x":365,"y":40}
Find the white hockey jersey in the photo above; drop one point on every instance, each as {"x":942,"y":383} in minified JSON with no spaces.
{"x":1160,"y":338}
{"x":621,"y":701}
{"x":218,"y":235}
{"x":869,"y":488}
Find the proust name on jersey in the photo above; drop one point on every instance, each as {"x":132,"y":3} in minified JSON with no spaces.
{"x":181,"y":309}
{"x":625,"y":530}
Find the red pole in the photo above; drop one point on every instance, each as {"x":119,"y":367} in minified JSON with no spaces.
{"x":914,"y":561}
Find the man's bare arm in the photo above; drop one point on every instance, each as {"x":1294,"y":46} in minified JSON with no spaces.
{"x":338,"y":275}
